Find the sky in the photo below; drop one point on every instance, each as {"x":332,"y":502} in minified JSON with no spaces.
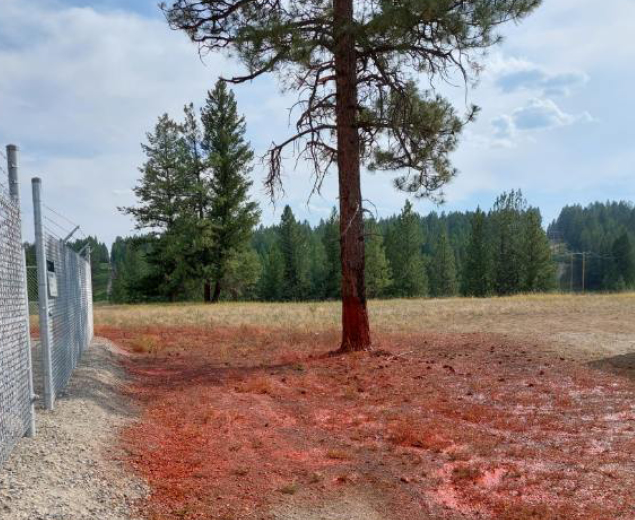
{"x":81,"y":82}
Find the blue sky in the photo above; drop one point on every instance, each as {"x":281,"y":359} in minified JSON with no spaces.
{"x":82,"y":81}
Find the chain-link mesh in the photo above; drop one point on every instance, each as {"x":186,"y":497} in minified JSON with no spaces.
{"x":15,"y":392}
{"x":70,"y":305}
{"x":32,"y":287}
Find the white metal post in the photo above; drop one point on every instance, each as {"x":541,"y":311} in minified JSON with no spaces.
{"x":45,"y":328}
{"x":14,"y":191}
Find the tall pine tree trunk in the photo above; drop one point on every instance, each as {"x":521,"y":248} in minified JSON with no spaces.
{"x":207,"y":292}
{"x":355,"y":326}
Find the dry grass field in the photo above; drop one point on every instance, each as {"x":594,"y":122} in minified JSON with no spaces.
{"x":512,"y":408}
{"x":588,"y":327}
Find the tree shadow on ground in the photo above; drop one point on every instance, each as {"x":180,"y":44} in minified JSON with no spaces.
{"x":623,"y":365}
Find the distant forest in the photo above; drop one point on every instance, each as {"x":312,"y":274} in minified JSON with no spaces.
{"x":502,"y":251}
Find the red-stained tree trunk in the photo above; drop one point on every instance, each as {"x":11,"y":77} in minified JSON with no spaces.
{"x":355,"y":326}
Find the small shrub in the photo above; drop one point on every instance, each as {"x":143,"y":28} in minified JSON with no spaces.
{"x":336,"y":454}
{"x":144,"y":344}
{"x":289,"y":489}
{"x":465,"y":473}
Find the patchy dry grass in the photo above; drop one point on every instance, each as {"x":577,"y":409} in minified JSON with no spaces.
{"x":531,"y":313}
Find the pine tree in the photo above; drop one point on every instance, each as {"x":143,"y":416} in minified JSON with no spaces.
{"x":164,"y":205}
{"x":295,"y":259}
{"x":378,"y":273}
{"x":354,"y":66}
{"x":404,"y":254}
{"x":232,"y":215}
{"x":119,"y":291}
{"x":333,"y":272}
{"x":623,"y":269}
{"x":478,"y":265}
{"x":507,"y":218}
{"x":243,"y":274}
{"x":442,"y":269}
{"x":318,"y":263}
{"x":196,"y":164}
{"x":164,"y":187}
{"x":538,"y":273}
{"x":272,"y":281}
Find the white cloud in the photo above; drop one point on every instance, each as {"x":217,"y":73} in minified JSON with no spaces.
{"x":536,"y":79}
{"x":536,"y":114}
{"x":541,"y":114}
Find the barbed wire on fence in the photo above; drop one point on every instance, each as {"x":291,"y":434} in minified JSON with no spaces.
{"x":67,"y":231}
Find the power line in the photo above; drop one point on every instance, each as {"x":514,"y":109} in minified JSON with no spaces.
{"x":584,"y":255}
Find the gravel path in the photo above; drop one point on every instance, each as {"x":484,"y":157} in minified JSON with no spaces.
{"x":68,"y":471}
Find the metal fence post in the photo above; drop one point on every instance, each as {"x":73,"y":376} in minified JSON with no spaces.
{"x":14,"y":191}
{"x":42,"y":270}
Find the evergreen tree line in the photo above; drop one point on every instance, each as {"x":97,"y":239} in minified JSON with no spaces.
{"x":504,"y":251}
{"x":597,"y":246}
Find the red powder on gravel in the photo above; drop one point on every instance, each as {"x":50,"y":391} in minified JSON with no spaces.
{"x":432,"y":426}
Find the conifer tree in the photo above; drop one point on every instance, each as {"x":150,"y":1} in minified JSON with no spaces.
{"x":164,"y":188}
{"x":405,"y":242}
{"x":538,"y":273}
{"x":478,"y":265}
{"x":295,"y":259}
{"x":333,"y":272}
{"x":232,"y":215}
{"x":623,"y":269}
{"x":243,"y":274}
{"x":196,"y":165}
{"x":355,"y":65}
{"x":378,"y":273}
{"x":318,"y":264}
{"x":272,"y":281}
{"x":119,"y":290}
{"x":442,"y":278}
{"x":508,"y":216}
{"x":164,"y":205}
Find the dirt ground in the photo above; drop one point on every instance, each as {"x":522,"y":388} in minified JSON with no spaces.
{"x":512,"y":409}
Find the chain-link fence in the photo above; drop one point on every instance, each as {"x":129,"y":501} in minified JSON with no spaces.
{"x":70,"y":309}
{"x":16,"y":383}
{"x":64,"y":299}
{"x":31,"y":284}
